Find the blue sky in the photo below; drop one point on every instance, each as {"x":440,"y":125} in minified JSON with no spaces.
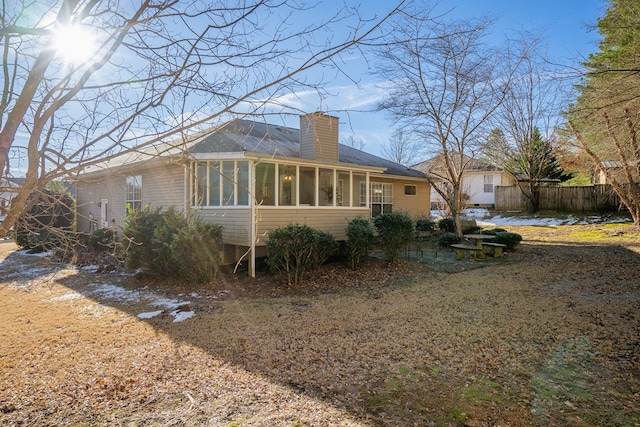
{"x":565,"y":25}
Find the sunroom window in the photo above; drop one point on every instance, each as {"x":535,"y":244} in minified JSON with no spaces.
{"x":221,"y":184}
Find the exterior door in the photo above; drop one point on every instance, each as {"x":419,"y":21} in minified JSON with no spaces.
{"x":104,"y":212}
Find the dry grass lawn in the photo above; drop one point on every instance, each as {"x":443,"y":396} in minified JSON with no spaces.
{"x":550,"y":335}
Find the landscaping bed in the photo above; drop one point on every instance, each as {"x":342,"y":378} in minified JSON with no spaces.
{"x":547,"y":335}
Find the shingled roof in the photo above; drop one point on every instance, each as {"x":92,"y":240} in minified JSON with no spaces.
{"x":262,"y":138}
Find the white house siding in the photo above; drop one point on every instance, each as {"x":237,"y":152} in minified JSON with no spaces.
{"x":473,"y":186}
{"x":162,"y":186}
{"x":329,"y":220}
{"x":235,"y":222}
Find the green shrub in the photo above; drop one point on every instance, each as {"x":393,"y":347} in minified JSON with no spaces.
{"x":447,"y":225}
{"x":360,"y":237}
{"x":448,"y":238}
{"x":471,"y":229}
{"x":325,"y":246}
{"x":493,"y":231}
{"x":424,"y":224}
{"x":202,"y":246}
{"x":137,"y":237}
{"x":295,"y":249}
{"x":395,"y":230}
{"x":509,"y":239}
{"x":47,"y":222}
{"x":164,"y":243}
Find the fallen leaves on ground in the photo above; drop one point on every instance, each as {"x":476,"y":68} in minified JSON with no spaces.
{"x":548,"y":337}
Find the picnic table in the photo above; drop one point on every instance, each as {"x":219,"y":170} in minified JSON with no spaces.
{"x":481,"y":242}
{"x":479,"y":238}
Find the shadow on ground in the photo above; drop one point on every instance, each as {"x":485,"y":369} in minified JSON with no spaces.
{"x":548,"y":335}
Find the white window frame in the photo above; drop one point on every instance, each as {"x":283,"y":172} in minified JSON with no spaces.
{"x":488,"y":183}
{"x":381,"y":193}
{"x":133,"y":192}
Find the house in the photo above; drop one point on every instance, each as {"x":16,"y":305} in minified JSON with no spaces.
{"x":252,"y":177}
{"x":479,"y":179}
{"x":610,"y":170}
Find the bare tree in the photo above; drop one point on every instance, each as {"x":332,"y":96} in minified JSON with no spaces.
{"x":527,"y":118}
{"x":401,"y":148}
{"x":353,"y":142}
{"x":86,"y":80}
{"x":445,"y":85}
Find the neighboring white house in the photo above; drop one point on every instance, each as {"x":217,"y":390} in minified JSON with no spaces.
{"x":479,"y":180}
{"x":252,"y":177}
{"x":610,"y":170}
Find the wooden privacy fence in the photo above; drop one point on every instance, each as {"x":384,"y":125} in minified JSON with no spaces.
{"x":590,"y":198}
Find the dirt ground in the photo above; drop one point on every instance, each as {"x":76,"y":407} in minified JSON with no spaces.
{"x":549,"y":335}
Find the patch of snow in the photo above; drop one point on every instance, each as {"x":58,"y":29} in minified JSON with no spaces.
{"x":499,"y":220}
{"x":90,"y":268}
{"x":113,"y":292}
{"x":31,"y":272}
{"x":484,"y":218}
{"x":150,"y":314}
{"x":169,"y":303}
{"x":179,"y":316}
{"x":67,"y":297}
{"x":39,"y":254}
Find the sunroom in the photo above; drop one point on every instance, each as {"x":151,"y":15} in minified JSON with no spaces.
{"x":251,"y":196}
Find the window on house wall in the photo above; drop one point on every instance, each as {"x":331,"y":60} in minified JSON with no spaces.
{"x":343,"y":192}
{"x":266,"y":184}
{"x":488,"y":183}
{"x":381,"y":195}
{"x":214,"y":184}
{"x":134,"y":192}
{"x":410,"y":190}
{"x":228,"y":183}
{"x":242,"y":178}
{"x":200,"y":194}
{"x":223,"y":183}
{"x":307,"y":186}
{"x":326,"y":193}
{"x":287,"y":182}
{"x":362,"y":190}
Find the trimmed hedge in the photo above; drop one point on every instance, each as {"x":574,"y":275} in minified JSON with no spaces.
{"x":360,"y":238}
{"x":448,"y":238}
{"x":395,"y":230}
{"x":295,"y":249}
{"x":509,"y":239}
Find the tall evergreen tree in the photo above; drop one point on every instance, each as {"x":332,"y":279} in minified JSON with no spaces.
{"x":604,"y":120}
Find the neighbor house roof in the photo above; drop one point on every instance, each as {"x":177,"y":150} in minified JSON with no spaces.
{"x":436,"y":164}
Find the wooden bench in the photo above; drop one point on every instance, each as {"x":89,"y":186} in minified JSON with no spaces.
{"x":475,"y":252}
{"x":494,"y":249}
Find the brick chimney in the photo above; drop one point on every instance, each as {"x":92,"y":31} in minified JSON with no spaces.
{"x":319,"y":137}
